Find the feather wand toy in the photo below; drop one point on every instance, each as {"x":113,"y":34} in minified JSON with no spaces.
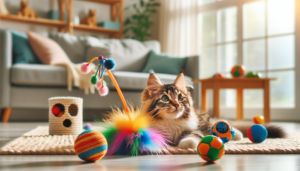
{"x":128,"y":131}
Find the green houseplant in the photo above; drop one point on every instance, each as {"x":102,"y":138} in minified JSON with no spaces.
{"x":138,"y":25}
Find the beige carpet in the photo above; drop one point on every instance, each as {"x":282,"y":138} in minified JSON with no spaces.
{"x":38,"y":141}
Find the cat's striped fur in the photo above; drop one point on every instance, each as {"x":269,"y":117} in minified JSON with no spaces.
{"x":171,"y":109}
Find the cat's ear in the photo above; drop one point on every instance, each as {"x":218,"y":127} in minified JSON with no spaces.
{"x":153,"y":84}
{"x":180,"y":83}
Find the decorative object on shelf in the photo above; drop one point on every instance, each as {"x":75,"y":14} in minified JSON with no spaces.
{"x":76,"y":20}
{"x":3,"y":10}
{"x":257,"y":133}
{"x":218,"y":75}
{"x":91,"y":19}
{"x":55,"y":15}
{"x":258,"y":119}
{"x":90,"y":146}
{"x":65,"y":115}
{"x":25,"y":11}
{"x":223,"y":130}
{"x":211,"y":148}
{"x":238,"y":71}
{"x":252,"y":74}
{"x":138,"y":25}
{"x":109,"y":25}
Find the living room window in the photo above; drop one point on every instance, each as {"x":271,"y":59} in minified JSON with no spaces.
{"x":260,"y":34}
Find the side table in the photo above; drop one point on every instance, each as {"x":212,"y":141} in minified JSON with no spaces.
{"x":234,"y":83}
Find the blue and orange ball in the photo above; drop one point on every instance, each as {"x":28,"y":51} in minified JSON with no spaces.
{"x":223,"y":130}
{"x":211,"y":148}
{"x":90,"y":146}
{"x":238,"y":71}
{"x":258,"y":119}
{"x":218,"y":75}
{"x":257,"y":133}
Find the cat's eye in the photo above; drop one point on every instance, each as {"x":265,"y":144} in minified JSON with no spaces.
{"x":180,"y":97}
{"x":165,"y":98}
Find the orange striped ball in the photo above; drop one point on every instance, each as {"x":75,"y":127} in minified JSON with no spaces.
{"x":90,"y":146}
{"x":258,"y":119}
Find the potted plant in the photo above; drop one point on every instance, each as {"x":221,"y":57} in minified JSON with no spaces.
{"x":138,"y":25}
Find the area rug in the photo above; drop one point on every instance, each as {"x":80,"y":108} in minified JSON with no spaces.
{"x":38,"y":141}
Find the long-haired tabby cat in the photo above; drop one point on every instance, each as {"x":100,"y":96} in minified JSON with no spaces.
{"x":171,"y":109}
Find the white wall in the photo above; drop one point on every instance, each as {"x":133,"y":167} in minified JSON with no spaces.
{"x":41,"y":7}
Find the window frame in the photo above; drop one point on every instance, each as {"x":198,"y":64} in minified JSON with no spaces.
{"x":276,"y":113}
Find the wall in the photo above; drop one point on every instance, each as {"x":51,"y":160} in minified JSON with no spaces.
{"x":80,"y":9}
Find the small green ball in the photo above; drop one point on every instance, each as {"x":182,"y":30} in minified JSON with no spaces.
{"x":94,"y":79}
{"x":104,"y":83}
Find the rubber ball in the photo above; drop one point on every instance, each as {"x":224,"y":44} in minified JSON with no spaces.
{"x":257,"y":133}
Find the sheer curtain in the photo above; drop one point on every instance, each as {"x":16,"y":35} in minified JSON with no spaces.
{"x":178,"y":27}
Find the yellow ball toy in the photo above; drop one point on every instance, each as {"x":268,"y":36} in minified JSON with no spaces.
{"x":258,"y":119}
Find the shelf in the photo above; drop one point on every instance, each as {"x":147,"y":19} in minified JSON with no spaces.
{"x":103,"y":1}
{"x":33,"y":20}
{"x":94,"y":28}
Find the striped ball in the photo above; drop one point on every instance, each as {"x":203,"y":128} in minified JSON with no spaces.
{"x":90,"y":146}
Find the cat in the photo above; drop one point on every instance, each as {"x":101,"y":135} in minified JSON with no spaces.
{"x":25,"y":11}
{"x":91,"y":19}
{"x":170,"y":107}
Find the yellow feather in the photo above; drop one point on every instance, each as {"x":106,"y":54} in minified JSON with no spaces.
{"x":120,"y":120}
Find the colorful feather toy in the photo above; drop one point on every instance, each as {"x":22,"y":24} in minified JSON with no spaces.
{"x":128,"y":131}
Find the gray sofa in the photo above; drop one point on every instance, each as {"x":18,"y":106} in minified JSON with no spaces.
{"x":30,"y":85}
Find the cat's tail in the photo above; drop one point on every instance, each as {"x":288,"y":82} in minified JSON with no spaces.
{"x":273,"y":131}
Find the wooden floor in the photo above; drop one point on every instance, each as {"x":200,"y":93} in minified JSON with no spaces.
{"x":229,"y":162}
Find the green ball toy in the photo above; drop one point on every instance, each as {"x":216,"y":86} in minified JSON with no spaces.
{"x":94,"y":79}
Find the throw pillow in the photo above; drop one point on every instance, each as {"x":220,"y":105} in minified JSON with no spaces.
{"x":22,"y":51}
{"x":47,"y":50}
{"x":162,"y":63}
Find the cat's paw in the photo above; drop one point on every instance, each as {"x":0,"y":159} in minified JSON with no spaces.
{"x":189,"y":142}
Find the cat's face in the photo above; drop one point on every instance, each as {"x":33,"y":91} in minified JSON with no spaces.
{"x":169,"y":101}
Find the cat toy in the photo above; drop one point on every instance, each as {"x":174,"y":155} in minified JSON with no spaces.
{"x":211,"y":148}
{"x":128,"y":131}
{"x":223,"y":130}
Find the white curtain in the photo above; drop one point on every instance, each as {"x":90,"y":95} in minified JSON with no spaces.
{"x":178,"y":27}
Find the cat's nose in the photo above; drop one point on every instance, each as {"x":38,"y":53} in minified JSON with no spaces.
{"x":175,"y":104}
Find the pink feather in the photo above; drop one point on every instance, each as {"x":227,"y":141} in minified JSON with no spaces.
{"x":118,"y":140}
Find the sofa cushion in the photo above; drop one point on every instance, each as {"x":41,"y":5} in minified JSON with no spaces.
{"x":74,"y":46}
{"x":39,"y":75}
{"x":129,"y":54}
{"x":22,"y":51}
{"x":46,"y":75}
{"x":162,"y":63}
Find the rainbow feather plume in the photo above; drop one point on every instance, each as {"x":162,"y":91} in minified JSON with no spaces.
{"x":132,"y":136}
